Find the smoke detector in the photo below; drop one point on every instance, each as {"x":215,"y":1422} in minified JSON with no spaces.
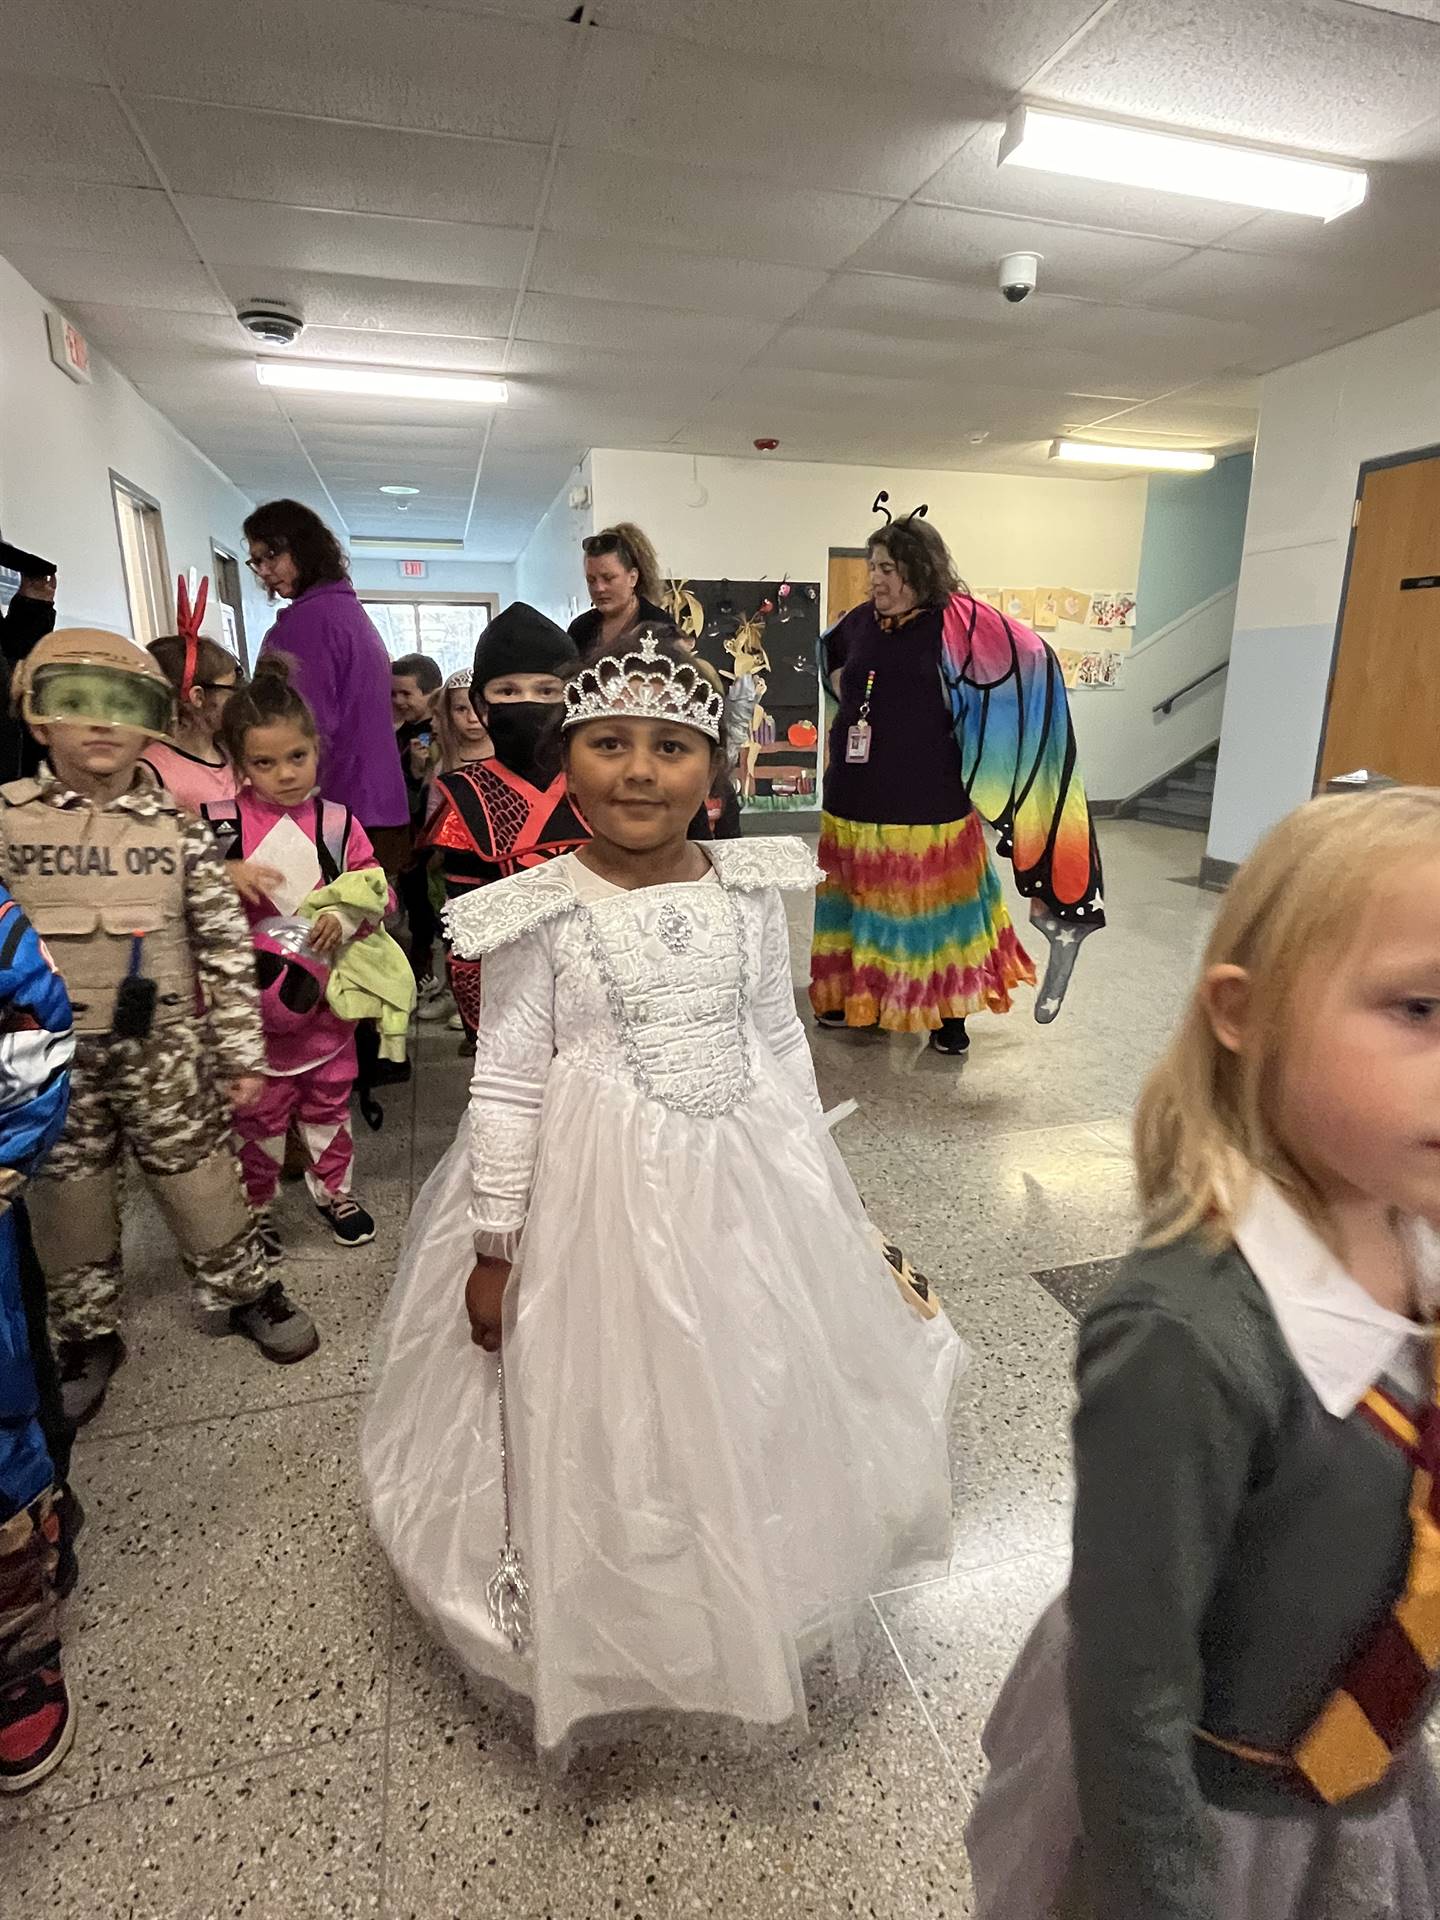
{"x":275,"y":323}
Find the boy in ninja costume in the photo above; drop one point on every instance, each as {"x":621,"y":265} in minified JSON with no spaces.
{"x":495,"y":817}
{"x":134,"y":903}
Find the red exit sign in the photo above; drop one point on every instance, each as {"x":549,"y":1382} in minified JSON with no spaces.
{"x":412,"y":569}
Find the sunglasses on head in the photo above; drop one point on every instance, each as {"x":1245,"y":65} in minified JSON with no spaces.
{"x":595,"y":546}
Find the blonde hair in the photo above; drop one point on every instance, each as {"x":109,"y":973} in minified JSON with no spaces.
{"x":454,"y":752}
{"x":632,"y":548}
{"x":1207,"y":1120}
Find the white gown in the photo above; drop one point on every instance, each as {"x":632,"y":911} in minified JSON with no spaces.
{"x":726,"y":1426}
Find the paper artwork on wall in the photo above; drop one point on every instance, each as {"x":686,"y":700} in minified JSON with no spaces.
{"x":1092,"y":671}
{"x":1112,"y":610}
{"x":992,"y":597}
{"x":1074,"y":606}
{"x":1018,"y":603}
{"x":1047,"y":608}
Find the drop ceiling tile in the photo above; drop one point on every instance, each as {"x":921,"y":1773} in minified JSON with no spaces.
{"x":436,"y":352}
{"x":64,"y":131}
{"x":179,"y":338}
{"x":1111,"y":374}
{"x":69,"y":276}
{"x":298,"y":162}
{"x":40,"y":212}
{"x":700,"y":211}
{"x":974,"y":178}
{"x":1312,"y":74}
{"x":993,"y":41}
{"x":377,"y":306}
{"x":889,"y":306}
{"x":389,"y":66}
{"x":1185,"y":421}
{"x":752,"y":114}
{"x":1294,"y":288}
{"x":1413,"y":9}
{"x":848,"y":350}
{"x":563,"y":321}
{"x":50,"y":42}
{"x":1185,"y":347}
{"x":945,"y":243}
{"x":605,"y":268}
{"x":238,"y":233}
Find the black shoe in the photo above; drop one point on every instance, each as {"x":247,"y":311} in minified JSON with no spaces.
{"x":86,"y":1367}
{"x":350,"y":1225}
{"x":282,"y":1331}
{"x":389,"y":1073}
{"x":836,"y":1019}
{"x":952,"y":1040}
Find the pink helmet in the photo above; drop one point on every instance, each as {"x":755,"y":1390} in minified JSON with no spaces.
{"x":293,"y":977}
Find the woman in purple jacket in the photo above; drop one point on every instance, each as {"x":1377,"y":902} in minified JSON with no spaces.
{"x":341,"y":668}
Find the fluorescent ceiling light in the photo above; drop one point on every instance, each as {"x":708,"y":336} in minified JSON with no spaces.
{"x":303,"y":376}
{"x":398,"y":491}
{"x":1179,"y":163}
{"x":1094,"y":453}
{"x":404,"y":544}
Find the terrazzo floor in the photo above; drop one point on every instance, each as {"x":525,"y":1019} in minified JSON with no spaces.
{"x":265,"y":1730}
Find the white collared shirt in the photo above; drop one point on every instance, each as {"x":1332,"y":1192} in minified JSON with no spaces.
{"x":1341,"y":1338}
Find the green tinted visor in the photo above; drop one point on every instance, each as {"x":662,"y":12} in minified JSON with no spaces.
{"x":84,"y":692}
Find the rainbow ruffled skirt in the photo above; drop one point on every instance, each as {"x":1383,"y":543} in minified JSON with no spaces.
{"x":911,"y":927}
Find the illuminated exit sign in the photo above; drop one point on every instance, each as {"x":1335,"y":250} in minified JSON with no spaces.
{"x":412,"y":569}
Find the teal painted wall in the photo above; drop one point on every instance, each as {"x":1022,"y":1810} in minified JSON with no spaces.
{"x":1194,"y":534}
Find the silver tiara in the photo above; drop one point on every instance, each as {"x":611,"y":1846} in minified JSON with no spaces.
{"x":644,"y":685}
{"x":460,"y":679}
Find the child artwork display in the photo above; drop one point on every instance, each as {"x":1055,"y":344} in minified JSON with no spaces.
{"x":1018,"y":603}
{"x":1047,"y":609}
{"x":992,"y":596}
{"x":1092,"y":671}
{"x":1112,"y":610}
{"x":1074,"y":606}
{"x":762,"y":637}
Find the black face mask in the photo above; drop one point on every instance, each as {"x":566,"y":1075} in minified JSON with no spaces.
{"x":518,"y":728}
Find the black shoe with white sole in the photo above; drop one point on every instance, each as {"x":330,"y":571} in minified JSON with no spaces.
{"x":350,"y":1225}
{"x":952,"y":1040}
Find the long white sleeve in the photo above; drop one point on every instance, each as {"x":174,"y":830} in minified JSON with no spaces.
{"x":773,"y":1000}
{"x":514,"y":1049}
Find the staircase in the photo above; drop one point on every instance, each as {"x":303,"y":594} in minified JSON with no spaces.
{"x":1182,"y":798}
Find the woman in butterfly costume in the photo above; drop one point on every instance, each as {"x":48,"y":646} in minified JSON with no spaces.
{"x":949,"y":715}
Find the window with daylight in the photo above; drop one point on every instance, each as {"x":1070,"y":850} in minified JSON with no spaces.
{"x":444,"y":629}
{"x":142,"y":558}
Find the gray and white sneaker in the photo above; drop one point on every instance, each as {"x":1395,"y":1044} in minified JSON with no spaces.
{"x":282,"y":1331}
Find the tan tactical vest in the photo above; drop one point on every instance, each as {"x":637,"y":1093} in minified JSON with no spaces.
{"x":90,"y":880}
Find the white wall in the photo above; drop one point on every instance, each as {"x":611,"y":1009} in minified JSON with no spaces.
{"x":58,"y":444}
{"x":1319,"y":420}
{"x":550,"y":573}
{"x":752,"y":519}
{"x":372,"y":574}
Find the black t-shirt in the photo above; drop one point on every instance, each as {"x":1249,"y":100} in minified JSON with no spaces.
{"x":912,"y":777}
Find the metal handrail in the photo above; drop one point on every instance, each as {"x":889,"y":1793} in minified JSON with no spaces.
{"x":1189,"y":687}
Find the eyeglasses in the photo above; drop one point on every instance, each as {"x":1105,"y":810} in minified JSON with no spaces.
{"x":220,"y":686}
{"x":271,"y":554}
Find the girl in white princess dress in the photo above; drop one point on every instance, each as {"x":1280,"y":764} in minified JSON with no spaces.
{"x":726,"y":1423}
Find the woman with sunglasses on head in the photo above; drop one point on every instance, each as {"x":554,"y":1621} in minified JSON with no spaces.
{"x":623,"y":576}
{"x":342,"y":670}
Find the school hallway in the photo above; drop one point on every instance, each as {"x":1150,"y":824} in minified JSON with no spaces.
{"x":266,"y":1730}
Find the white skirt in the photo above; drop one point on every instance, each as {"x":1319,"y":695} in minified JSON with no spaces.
{"x":726,"y":1426}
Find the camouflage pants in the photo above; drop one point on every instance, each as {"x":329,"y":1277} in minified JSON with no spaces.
{"x":157,"y":1097}
{"x":29,"y":1605}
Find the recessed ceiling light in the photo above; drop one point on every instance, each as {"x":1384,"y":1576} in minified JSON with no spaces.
{"x":406,"y":492}
{"x":383,"y":382}
{"x":387,"y":540}
{"x":1095,"y":453}
{"x":1179,"y":163}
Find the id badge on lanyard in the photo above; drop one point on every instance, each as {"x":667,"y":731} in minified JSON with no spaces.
{"x":857,"y":740}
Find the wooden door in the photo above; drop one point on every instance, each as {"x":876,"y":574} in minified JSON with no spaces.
{"x":848,"y":582}
{"x":1383,"y":711}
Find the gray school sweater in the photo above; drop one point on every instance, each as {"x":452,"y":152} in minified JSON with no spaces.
{"x":1235,"y":1544}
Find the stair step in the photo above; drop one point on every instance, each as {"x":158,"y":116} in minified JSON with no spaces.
{"x":1196,"y":806}
{"x":1159,"y":815}
{"x":1198,"y":780}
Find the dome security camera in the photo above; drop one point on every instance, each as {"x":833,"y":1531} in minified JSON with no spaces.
{"x":1018,"y":275}
{"x":275,"y":323}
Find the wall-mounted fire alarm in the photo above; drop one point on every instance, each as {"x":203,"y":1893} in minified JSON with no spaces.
{"x":766,"y":446}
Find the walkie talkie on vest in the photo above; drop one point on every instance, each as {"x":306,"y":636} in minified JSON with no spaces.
{"x":136,"y":998}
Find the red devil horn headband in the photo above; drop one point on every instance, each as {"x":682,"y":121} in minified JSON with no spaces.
{"x":188,"y":620}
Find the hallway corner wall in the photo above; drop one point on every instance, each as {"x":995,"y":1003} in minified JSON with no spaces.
{"x":550,"y":572}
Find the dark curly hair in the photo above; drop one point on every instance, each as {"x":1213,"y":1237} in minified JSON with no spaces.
{"x":267,"y":700}
{"x":924,"y":560}
{"x":288,"y":526}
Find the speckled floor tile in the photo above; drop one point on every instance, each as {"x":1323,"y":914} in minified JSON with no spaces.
{"x":231,"y":1600}
{"x":958,"y":1638}
{"x":864,"y":1818}
{"x":1077,"y":1288}
{"x":290,"y":1839}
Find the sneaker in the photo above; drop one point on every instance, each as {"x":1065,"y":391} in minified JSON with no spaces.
{"x":952,"y":1040}
{"x":282,"y":1331}
{"x":456,"y":1022}
{"x":267,"y":1235}
{"x":348,"y":1222}
{"x":86,"y":1367}
{"x":37,"y":1724}
{"x":432,"y":999}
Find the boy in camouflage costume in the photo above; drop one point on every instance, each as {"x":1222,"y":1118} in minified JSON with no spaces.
{"x":133,"y":898}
